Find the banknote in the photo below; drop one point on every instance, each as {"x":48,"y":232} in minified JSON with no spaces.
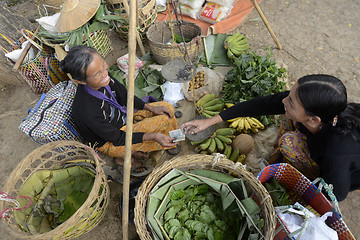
{"x":177,"y":135}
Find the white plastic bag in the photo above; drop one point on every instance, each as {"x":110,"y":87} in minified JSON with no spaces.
{"x":49,"y":22}
{"x":14,"y":55}
{"x":213,"y":83}
{"x":317,"y":229}
{"x":213,"y":13}
{"x":194,"y":4}
{"x":188,"y":11}
{"x":225,"y":3}
{"x":173,"y":92}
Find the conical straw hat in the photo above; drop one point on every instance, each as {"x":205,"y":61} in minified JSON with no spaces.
{"x":76,"y":13}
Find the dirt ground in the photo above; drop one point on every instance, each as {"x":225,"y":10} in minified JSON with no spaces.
{"x":316,"y":36}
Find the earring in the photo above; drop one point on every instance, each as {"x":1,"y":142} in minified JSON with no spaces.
{"x":335,"y":121}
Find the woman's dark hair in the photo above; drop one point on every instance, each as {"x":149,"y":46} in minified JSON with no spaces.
{"x":77,"y":61}
{"x":325,"y":96}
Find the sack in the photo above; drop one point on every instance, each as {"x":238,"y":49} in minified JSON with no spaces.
{"x":51,"y":119}
{"x":34,"y":71}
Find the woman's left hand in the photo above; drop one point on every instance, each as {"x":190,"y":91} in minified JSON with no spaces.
{"x":159,"y":110}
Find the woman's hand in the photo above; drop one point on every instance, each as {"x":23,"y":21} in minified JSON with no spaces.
{"x":195,"y":126}
{"x":162,"y":139}
{"x":159,"y":110}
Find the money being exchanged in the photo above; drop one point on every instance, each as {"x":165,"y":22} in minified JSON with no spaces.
{"x":177,"y":135}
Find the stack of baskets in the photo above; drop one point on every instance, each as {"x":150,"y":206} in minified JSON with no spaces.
{"x":216,"y":163}
{"x":159,"y":34}
{"x":49,"y":157}
{"x":147,"y":15}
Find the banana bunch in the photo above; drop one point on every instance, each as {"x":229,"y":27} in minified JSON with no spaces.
{"x":219,"y":141}
{"x":236,"y":45}
{"x":209,"y":105}
{"x":246,"y":124}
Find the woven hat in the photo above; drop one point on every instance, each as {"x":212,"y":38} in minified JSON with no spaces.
{"x":76,"y":13}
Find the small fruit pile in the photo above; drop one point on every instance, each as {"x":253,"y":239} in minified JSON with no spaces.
{"x":198,"y":81}
{"x":208,"y":105}
{"x":236,"y":45}
{"x":246,"y":124}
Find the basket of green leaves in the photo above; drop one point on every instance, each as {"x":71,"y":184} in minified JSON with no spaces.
{"x":203,"y":197}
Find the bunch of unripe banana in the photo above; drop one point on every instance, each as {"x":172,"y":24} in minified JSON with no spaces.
{"x":236,"y":45}
{"x":209,"y":105}
{"x":246,"y":124}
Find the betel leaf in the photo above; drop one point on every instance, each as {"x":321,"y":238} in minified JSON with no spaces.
{"x":172,"y":222}
{"x":206,"y":214}
{"x":183,"y":234}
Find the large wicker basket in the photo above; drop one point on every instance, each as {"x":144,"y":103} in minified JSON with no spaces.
{"x":200,"y":161}
{"x":146,"y":15}
{"x":159,"y":34}
{"x":47,"y":157}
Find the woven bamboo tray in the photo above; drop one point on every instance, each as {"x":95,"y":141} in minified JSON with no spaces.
{"x":217,"y":163}
{"x":47,"y":157}
{"x":159,"y":34}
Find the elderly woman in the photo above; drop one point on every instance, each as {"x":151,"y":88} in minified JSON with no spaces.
{"x":320,"y":131}
{"x":99,"y":110}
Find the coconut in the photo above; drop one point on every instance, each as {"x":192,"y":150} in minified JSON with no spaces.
{"x":244,"y":143}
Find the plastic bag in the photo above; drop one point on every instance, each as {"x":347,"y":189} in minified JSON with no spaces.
{"x":194,"y":4}
{"x":188,"y":11}
{"x":317,"y":229}
{"x":123,"y":64}
{"x":49,"y":22}
{"x":213,"y":13}
{"x":224,"y":3}
{"x":173,"y":92}
{"x":213,"y":83}
{"x":15,"y":54}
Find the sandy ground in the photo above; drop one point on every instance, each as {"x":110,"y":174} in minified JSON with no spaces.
{"x":316,"y":36}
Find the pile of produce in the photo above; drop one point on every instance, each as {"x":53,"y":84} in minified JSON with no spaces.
{"x":198,"y":81}
{"x":253,"y":76}
{"x":208,"y":105}
{"x":203,"y":204}
{"x":236,"y":45}
{"x":246,"y":124}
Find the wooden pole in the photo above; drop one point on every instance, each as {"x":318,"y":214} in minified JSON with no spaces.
{"x":257,"y":7}
{"x":138,"y":38}
{"x":129,"y":117}
{"x":24,"y":52}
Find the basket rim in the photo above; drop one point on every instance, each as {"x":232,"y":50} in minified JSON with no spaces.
{"x":9,"y":187}
{"x":195,"y":161}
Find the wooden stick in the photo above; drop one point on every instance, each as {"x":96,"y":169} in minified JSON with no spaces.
{"x":138,"y":38}
{"x":24,"y":52}
{"x":257,"y":7}
{"x":129,"y":117}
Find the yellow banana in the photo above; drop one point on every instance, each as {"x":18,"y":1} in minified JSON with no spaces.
{"x":261,"y":126}
{"x":241,"y":158}
{"x":224,"y":131}
{"x":246,"y":124}
{"x":224,"y":139}
{"x":219,"y":144}
{"x":241,"y":124}
{"x":229,"y":105}
{"x":233,"y":120}
{"x":205,"y":145}
{"x":254,"y":130}
{"x":212,"y":102}
{"x":235,"y":123}
{"x":204,"y":99}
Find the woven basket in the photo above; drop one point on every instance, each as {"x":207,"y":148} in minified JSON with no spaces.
{"x":47,"y":157}
{"x":100,"y":41}
{"x":200,"y":161}
{"x":159,"y":35}
{"x":147,"y":15}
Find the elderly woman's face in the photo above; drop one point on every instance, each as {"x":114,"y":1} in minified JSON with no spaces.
{"x":97,"y":73}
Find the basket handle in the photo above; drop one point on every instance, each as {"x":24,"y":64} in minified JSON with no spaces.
{"x":33,"y":36}
{"x":329,"y":190}
{"x":300,"y":231}
{"x":9,"y":40}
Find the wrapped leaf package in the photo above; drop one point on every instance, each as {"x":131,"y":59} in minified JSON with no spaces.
{"x":203,"y":200}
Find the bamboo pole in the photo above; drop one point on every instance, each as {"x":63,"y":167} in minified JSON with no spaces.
{"x":129,"y":117}
{"x":257,"y":7}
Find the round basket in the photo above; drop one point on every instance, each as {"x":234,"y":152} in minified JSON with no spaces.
{"x":200,"y":161}
{"x":49,"y":156}
{"x":146,"y":15}
{"x":100,"y":41}
{"x":159,"y":34}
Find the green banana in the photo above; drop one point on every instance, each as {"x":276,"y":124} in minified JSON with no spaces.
{"x":216,"y":107}
{"x":212,"y":102}
{"x":212,"y":146}
{"x":234,"y":155}
{"x":205,"y":145}
{"x":211,"y":113}
{"x":197,"y":142}
{"x":225,"y":131}
{"x":224,"y":139}
{"x":206,"y":115}
{"x":227,"y":151}
{"x":206,"y":98}
{"x":219,"y":144}
{"x":231,"y":55}
{"x":233,"y":38}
